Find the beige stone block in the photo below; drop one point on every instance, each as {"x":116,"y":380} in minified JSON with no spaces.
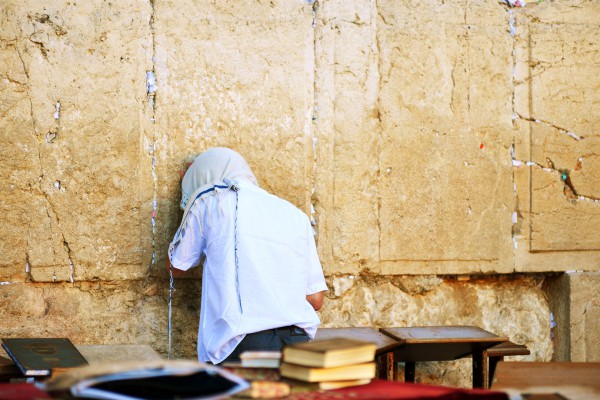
{"x":447,"y":195}
{"x":563,"y":12}
{"x":414,"y":13}
{"x":102,"y":313}
{"x":564,"y":78}
{"x":347,"y":133}
{"x":81,"y":120}
{"x":418,"y":88}
{"x":238,"y":75}
{"x":565,"y":213}
{"x":456,"y":76}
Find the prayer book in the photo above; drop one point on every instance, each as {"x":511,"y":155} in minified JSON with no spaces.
{"x":330,"y":385}
{"x":302,"y":387}
{"x":144,"y":380}
{"x":252,"y":373}
{"x":261,"y":359}
{"x":42,"y":356}
{"x":315,"y":374}
{"x":332,"y":352}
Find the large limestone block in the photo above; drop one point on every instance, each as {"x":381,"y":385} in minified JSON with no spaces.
{"x":347,"y":132}
{"x":450,"y":207}
{"x":72,"y":125}
{"x":556,"y":175}
{"x":239,"y":75}
{"x":428,"y":173}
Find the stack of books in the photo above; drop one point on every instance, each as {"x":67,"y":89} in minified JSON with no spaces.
{"x":330,"y":363}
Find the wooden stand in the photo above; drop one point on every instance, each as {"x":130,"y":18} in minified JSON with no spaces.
{"x":494,"y":354}
{"x":443,"y":343}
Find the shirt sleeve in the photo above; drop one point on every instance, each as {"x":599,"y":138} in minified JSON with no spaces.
{"x":186,"y":252}
{"x":316,"y":279}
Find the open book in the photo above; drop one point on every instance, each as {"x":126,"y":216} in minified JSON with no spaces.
{"x":148,"y":380}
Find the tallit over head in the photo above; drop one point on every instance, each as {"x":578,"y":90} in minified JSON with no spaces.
{"x":213,"y":166}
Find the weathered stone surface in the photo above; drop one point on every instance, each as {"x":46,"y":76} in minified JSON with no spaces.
{"x":125,"y":312}
{"x":513,"y":307}
{"x":426,"y":139}
{"x":584,"y":316}
{"x":575,"y":306}
{"x":71,"y":126}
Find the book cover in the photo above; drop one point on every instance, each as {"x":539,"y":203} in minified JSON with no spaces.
{"x":332,"y":352}
{"x":314,"y":374}
{"x":330,"y":385}
{"x":298,"y":386}
{"x":39,"y":356}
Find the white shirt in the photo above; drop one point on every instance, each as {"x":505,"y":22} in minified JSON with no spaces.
{"x":277,"y":260}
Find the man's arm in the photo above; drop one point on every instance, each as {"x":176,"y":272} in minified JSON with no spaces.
{"x":177,"y":273}
{"x":316,"y":300}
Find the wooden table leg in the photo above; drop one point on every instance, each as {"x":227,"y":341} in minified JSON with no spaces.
{"x":485,"y":367}
{"x":382,"y":367}
{"x":478,"y":369}
{"x":493,"y":361}
{"x":387,"y":368}
{"x":409,"y":371}
{"x":394,"y":361}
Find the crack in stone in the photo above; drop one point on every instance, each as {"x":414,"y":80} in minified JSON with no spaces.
{"x":50,"y":212}
{"x":314,"y":118}
{"x":564,"y":175}
{"x":151,"y":93}
{"x":550,"y":124}
{"x":70,"y":255}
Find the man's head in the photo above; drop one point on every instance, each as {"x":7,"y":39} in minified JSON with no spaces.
{"x":212,"y":166}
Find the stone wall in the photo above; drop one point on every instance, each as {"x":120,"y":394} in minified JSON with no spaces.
{"x":447,"y":152}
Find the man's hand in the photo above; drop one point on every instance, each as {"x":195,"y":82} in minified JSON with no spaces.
{"x":177,"y":273}
{"x":316,"y":300}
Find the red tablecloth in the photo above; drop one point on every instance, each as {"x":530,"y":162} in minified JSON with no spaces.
{"x":385,"y":390}
{"x":21,"y":391}
{"x":377,"y":389}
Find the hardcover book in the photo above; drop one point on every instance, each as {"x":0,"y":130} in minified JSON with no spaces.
{"x":314,"y":374}
{"x":333,"y":352}
{"x":302,"y":387}
{"x":40,"y":356}
{"x":261,"y":359}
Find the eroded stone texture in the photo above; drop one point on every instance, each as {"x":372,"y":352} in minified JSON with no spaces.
{"x":70,"y":123}
{"x":585,"y":316}
{"x":238,"y":75}
{"x":430,"y":138}
{"x":126,"y":312}
{"x":556,"y":88}
{"x":513,"y":307}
